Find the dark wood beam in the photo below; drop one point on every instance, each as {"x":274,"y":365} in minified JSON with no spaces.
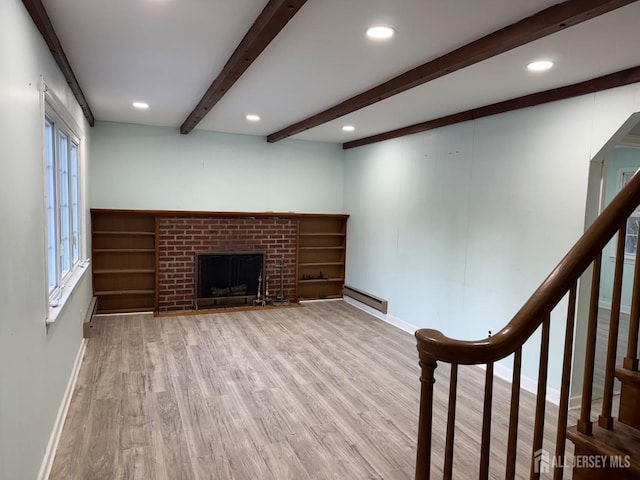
{"x":42,"y":21}
{"x":618,"y":79}
{"x":269,"y":23}
{"x":541,"y":24}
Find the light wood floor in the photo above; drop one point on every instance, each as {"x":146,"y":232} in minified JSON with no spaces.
{"x":601,"y":348}
{"x":323,"y":391}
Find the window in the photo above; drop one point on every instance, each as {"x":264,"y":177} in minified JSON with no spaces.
{"x":633,"y":222}
{"x":62,"y":199}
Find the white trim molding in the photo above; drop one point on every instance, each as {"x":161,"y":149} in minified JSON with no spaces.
{"x":385,"y":317}
{"x":606,"y":305}
{"x":500,"y":371}
{"x":526,"y":383}
{"x":630,"y":141}
{"x":54,"y":438}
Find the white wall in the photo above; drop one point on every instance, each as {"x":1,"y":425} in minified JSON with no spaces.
{"x":35,"y":362}
{"x":456,"y":227}
{"x":141,"y":167}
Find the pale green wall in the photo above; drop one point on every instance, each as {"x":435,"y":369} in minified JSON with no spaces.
{"x":35,"y":362}
{"x":620,"y":158}
{"x":141,"y":167}
{"x":456,"y":227}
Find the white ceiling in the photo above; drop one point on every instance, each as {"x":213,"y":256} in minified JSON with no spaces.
{"x":168,"y":52}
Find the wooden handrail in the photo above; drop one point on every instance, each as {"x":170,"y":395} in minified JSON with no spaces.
{"x":433,"y":345}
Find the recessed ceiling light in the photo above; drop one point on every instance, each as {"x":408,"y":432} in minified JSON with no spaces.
{"x":253,"y":118}
{"x":540,"y":65}
{"x":380,"y":32}
{"x":141,"y":105}
{"x":348,"y":128}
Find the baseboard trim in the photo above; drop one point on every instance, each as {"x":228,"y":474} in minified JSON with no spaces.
{"x":526,"y":383}
{"x":52,"y":446}
{"x":606,"y":305}
{"x":500,"y":371}
{"x":385,"y":317}
{"x":575,"y":402}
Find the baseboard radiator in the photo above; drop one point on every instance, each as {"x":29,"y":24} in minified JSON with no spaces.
{"x":88,"y":319}
{"x":366,"y":298}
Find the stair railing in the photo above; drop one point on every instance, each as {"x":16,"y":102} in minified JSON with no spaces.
{"x":434,"y":347}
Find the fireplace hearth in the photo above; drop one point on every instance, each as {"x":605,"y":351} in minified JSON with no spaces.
{"x":227,"y":278}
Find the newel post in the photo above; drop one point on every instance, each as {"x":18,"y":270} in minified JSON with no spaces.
{"x":427,"y":379}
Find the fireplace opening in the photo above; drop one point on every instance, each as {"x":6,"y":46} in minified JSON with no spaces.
{"x":228,"y":278}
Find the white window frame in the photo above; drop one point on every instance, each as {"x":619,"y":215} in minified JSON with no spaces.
{"x":624,"y":175}
{"x":69,"y":251}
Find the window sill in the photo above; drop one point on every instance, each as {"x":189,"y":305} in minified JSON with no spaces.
{"x":67,"y":292}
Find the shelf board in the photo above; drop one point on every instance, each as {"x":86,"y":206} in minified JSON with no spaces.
{"x":115,"y":271}
{"x":124,"y":250}
{"x":126,"y":310}
{"x":322,"y":248}
{"x":325,"y":297}
{"x":317,"y":234}
{"x":107,"y":293}
{"x":119,"y":232}
{"x":321,"y":264}
{"x":321,"y":280}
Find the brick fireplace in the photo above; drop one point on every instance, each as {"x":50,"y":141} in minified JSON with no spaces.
{"x":181,"y":238}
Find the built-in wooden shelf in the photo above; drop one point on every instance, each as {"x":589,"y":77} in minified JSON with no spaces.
{"x":124,"y":261}
{"x":321,"y":256}
{"x":321,"y":280}
{"x":116,"y":271}
{"x":125,"y":257}
{"x":128,"y":310}
{"x":124,"y":250}
{"x":115,"y":232}
{"x":125,"y":292}
{"x":321,"y":264}
{"x":322,"y":234}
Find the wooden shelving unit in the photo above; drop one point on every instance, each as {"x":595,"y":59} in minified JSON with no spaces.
{"x":124,"y":261}
{"x":321,"y":256}
{"x":125,"y":257}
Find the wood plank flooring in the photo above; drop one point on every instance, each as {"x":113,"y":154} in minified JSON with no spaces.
{"x":601,"y":349}
{"x":324,"y":391}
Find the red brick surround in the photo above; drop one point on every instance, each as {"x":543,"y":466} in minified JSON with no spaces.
{"x":181,"y":237}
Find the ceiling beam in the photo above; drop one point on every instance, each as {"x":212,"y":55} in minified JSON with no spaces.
{"x":42,"y":21}
{"x":269,"y":23}
{"x":541,"y":24}
{"x":613,"y":80}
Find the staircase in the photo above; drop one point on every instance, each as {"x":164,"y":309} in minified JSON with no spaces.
{"x":618,"y":441}
{"x":605,"y":447}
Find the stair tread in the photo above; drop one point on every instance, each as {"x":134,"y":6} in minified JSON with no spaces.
{"x":628,"y":376}
{"x":622,"y":440}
